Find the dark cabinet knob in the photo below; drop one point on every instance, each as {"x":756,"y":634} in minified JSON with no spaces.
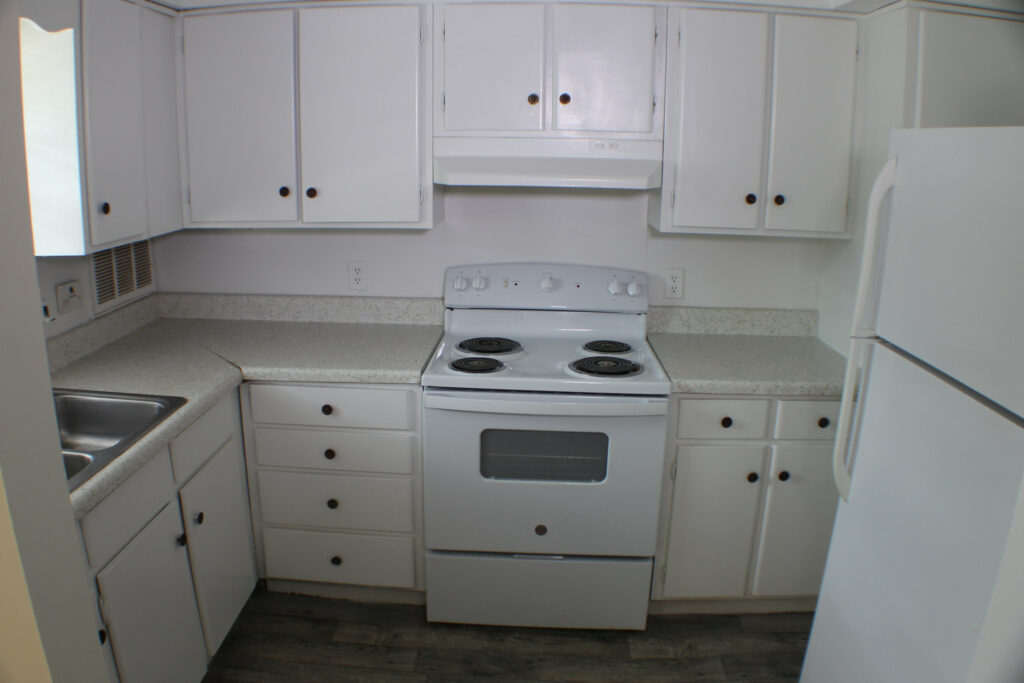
{"x":564,"y":98}
{"x":327,"y":409}
{"x":200,"y":518}
{"x":103,"y":635}
{"x":336,"y":560}
{"x":727,"y":422}
{"x":751,"y":198}
{"x":105,"y":208}
{"x":182,"y":540}
{"x":284,"y":191}
{"x":540,"y":530}
{"x":333,"y":503}
{"x":780,"y":199}
{"x":824,"y":423}
{"x":533,"y":98}
{"x":783,"y":475}
{"x":752,"y":477}
{"x":330,"y":454}
{"x":311,"y":192}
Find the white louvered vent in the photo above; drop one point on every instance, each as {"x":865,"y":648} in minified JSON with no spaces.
{"x":121,"y":274}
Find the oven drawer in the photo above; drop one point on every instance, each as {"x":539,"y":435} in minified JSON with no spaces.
{"x":807,"y":420}
{"x":556,"y":592}
{"x":334,"y":557}
{"x":332,"y":406}
{"x":711,"y":418}
{"x":370,"y":451}
{"x":336,"y":501}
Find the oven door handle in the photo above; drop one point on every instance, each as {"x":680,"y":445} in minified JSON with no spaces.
{"x":552,"y":406}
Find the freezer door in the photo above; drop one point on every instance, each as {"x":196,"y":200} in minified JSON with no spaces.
{"x":952,"y":283}
{"x":916,"y":550}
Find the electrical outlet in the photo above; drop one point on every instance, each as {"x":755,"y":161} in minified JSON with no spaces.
{"x":48,"y":313}
{"x":357,"y":275}
{"x":674,"y":283}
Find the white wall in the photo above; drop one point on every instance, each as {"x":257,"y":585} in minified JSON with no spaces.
{"x":490,"y":225}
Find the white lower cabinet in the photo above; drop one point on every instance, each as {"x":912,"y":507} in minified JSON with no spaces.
{"x":172,"y":552}
{"x":751,"y":506}
{"x":149,"y":605}
{"x":335,"y":475}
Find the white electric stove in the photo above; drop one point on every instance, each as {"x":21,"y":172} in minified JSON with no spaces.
{"x":544,"y":419}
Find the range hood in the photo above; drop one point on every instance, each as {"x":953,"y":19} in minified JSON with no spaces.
{"x":548,"y":162}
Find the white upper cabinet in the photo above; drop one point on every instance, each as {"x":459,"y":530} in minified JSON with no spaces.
{"x":112,"y":45}
{"x":759,"y":124}
{"x":362,"y":131}
{"x":493,"y":63}
{"x":160,"y":113}
{"x":602,"y":74}
{"x":812,"y":124}
{"x":603,"y":68}
{"x":362,"y":145}
{"x":240,"y":123}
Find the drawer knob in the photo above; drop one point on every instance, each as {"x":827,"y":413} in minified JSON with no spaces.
{"x":751,"y":198}
{"x":565,"y":98}
{"x":824,"y":423}
{"x":330,"y":454}
{"x":783,"y":475}
{"x":327,"y":409}
{"x":284,"y":190}
{"x":336,"y":560}
{"x":540,"y":530}
{"x":311,"y":192}
{"x":752,"y":477}
{"x":105,"y":208}
{"x":780,"y":199}
{"x":727,"y":422}
{"x":200,"y":518}
{"x":103,"y":635}
{"x":333,"y":503}
{"x":533,"y":98}
{"x":181,"y":540}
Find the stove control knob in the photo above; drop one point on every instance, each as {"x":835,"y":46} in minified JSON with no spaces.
{"x":460,"y":283}
{"x":479,"y":282}
{"x":633,"y":288}
{"x":615,"y":287}
{"x":548,"y":284}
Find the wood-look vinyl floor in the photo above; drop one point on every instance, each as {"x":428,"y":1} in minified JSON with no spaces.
{"x":297,"y":639}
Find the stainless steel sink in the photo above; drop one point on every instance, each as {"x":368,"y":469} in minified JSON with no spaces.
{"x":96,"y":427}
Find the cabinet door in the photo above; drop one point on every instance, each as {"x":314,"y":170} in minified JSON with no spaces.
{"x":215,"y":505}
{"x":812,"y":123}
{"x":723,"y":77}
{"x":359,"y":78}
{"x":150,"y":606}
{"x":715,"y":509}
{"x":239,"y":104}
{"x":493,"y":66}
{"x":160,"y":109}
{"x":604,"y":68}
{"x":112,"y":48}
{"x":799,"y":508}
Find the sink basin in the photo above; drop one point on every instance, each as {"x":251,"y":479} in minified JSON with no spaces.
{"x":96,"y":427}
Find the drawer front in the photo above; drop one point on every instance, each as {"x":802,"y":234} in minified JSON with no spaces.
{"x":339,"y":558}
{"x":332,"y":406}
{"x":722,"y":418}
{"x":336,"y":501}
{"x":198,"y":443}
{"x":807,"y":420}
{"x":344,"y":451}
{"x":110,"y":525}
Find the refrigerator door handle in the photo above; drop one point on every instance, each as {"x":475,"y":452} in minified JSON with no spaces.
{"x":883,"y":183}
{"x":854,"y":384}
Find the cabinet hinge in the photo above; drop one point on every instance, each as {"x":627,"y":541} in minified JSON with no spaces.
{"x":672,"y":203}
{"x":672,"y":474}
{"x":442,"y":100}
{"x":422,"y":33}
{"x":182,"y":43}
{"x":103,"y":612}
{"x":188,"y":195}
{"x":664,"y":573}
{"x":679,"y":38}
{"x":856,"y":54}
{"x":444,"y":31}
{"x":423,"y":194}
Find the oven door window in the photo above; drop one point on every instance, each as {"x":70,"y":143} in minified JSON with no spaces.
{"x":523,"y":454}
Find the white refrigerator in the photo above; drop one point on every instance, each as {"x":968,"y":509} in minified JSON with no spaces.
{"x":925,"y":573}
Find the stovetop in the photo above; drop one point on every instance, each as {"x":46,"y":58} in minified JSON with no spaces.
{"x":546,"y":328}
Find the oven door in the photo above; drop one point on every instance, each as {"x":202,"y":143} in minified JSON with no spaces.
{"x":560,"y":474}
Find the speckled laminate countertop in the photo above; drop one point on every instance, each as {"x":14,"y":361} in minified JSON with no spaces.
{"x":737,"y":364}
{"x":204,"y":359}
